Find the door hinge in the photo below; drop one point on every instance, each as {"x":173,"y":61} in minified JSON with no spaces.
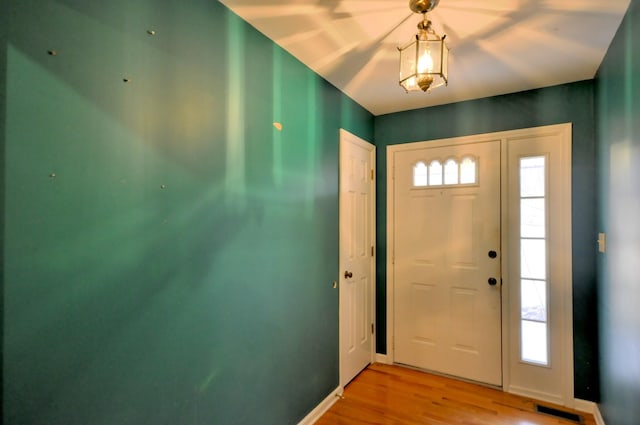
{"x":372,"y":328}
{"x":372,"y":250}
{"x":372,"y":174}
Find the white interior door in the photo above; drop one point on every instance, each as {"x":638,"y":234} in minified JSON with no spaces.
{"x":357,"y":261}
{"x":446,"y":260}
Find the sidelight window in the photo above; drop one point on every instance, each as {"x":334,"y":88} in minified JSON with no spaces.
{"x":534,"y":318}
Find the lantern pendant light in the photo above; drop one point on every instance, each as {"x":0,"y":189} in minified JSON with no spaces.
{"x":423,"y":61}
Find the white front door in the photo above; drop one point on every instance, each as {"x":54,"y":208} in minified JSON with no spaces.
{"x":357,"y":261}
{"x":446,"y":260}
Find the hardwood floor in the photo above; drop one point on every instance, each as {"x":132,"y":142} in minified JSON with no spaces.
{"x":384,"y":394}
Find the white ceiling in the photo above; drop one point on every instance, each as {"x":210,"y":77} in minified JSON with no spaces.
{"x":497,"y":46}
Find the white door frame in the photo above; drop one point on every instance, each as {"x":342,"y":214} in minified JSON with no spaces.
{"x":347,"y":137}
{"x":561,"y":130}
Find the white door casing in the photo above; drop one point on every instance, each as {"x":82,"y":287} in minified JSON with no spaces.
{"x":357,"y":260}
{"x":447,"y":314}
{"x":518,"y":377}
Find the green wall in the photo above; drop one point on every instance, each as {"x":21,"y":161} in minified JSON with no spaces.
{"x":618,"y":109}
{"x":168,"y":254}
{"x":554,"y":105}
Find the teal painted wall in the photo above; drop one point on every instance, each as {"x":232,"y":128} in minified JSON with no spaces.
{"x":554,"y":105}
{"x":618,"y":112}
{"x":168,"y":254}
{"x":4,"y":25}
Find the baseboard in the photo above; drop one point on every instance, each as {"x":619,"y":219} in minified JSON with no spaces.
{"x":598,"y":416}
{"x":322,"y":408}
{"x":584,"y":406}
{"x":589,"y":407}
{"x":537,"y":395}
{"x":382,"y":358}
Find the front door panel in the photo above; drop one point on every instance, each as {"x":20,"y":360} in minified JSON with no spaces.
{"x":447,"y":310}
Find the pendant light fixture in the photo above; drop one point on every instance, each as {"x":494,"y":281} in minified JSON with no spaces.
{"x":423,"y":61}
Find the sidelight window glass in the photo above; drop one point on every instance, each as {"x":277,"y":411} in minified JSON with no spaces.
{"x":534,"y":317}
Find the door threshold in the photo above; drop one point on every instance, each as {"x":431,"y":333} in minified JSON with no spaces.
{"x":454,"y":377}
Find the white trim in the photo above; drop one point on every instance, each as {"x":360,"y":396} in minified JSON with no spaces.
{"x":390,"y":254}
{"x":383,"y":359}
{"x":589,"y":407}
{"x":322,"y":408}
{"x":584,"y":406}
{"x":504,"y":137}
{"x":598,"y":416}
{"x":569,"y":355}
{"x":504,"y":204}
{"x":537,"y":395}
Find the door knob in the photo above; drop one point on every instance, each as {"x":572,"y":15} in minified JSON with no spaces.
{"x":493,"y":254}
{"x":492,"y":281}
{"x":348,"y":274}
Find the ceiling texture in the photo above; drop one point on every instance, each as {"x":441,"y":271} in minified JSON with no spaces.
{"x":497,"y":46}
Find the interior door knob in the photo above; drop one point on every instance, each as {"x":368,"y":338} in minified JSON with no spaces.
{"x":348,"y":274}
{"x":493,"y":254}
{"x":492,"y":281}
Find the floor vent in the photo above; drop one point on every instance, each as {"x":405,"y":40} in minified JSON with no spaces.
{"x":559,"y":413}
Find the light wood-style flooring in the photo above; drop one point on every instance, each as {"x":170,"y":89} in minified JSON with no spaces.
{"x":384,"y":394}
